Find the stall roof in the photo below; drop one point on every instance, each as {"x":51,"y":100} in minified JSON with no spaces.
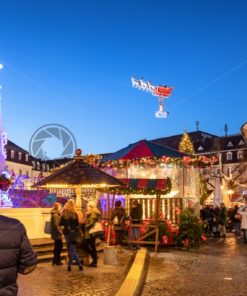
{"x":143,"y":149}
{"x":77,"y":172}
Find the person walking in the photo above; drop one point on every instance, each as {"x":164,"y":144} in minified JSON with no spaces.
{"x":16,"y":255}
{"x":243,"y":212}
{"x":135,"y":216}
{"x":93,"y":215}
{"x":223,"y":219}
{"x":118,"y":219}
{"x":56,"y":233}
{"x":236,"y":220}
{"x":71,"y":231}
{"x":216,"y":221}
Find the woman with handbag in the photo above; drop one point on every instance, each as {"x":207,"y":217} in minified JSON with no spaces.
{"x":56,"y":233}
{"x":93,"y":216}
{"x":71,"y":231}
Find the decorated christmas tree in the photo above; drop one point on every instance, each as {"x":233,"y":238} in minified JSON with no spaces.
{"x":186,"y":145}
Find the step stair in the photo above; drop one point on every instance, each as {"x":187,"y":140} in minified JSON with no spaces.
{"x":44,"y":250}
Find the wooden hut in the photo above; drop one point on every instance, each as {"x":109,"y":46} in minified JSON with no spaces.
{"x":80,"y":179}
{"x":147,"y":164}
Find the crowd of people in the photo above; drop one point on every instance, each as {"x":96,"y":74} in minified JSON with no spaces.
{"x":17,"y":255}
{"x":75,"y":229}
{"x":219,"y":219}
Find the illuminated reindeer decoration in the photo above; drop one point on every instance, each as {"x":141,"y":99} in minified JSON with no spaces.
{"x":162,"y":92}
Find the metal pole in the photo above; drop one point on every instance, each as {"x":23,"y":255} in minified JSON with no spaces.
{"x":108,"y":216}
{"x":157,"y":223}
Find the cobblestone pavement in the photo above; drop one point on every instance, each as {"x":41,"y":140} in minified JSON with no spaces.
{"x":48,"y":280}
{"x":219,"y":268}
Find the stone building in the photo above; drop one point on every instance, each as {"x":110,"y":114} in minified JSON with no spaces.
{"x":232,"y":150}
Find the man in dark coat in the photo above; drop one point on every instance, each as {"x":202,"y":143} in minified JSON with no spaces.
{"x":118,"y":218}
{"x":16,"y":255}
{"x":223,"y":219}
{"x":135,"y":216}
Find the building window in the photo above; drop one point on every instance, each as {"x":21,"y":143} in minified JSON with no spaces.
{"x":47,"y":167}
{"x":43,"y":166}
{"x":241,"y":143}
{"x":229,"y":155}
{"x":33,"y":162}
{"x":12,"y":154}
{"x":240,"y":155}
{"x":38,"y":166}
{"x":200,"y":148}
{"x":229,"y":144}
{"x":26,"y":157}
{"x":19,"y":155}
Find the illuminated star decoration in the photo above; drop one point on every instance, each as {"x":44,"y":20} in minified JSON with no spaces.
{"x":162,"y":92}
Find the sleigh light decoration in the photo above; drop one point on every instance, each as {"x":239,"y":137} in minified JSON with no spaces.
{"x":162,"y":92}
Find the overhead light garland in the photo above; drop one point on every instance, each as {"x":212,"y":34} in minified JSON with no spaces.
{"x":145,"y":191}
{"x":196,"y":161}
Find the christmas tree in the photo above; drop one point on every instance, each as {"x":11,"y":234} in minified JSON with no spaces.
{"x":186,"y":145}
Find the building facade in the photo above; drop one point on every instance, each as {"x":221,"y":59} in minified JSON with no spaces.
{"x":232,"y":151}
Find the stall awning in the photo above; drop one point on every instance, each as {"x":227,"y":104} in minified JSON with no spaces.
{"x":143,"y":149}
{"x":146,"y":184}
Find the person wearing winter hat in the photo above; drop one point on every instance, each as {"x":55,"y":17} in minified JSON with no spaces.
{"x":93,"y":215}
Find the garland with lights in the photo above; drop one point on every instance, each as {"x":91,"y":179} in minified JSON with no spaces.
{"x":196,"y":161}
{"x":144,"y":191}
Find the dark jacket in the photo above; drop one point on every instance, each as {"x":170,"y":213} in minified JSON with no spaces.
{"x":16,"y":255}
{"x":223,"y":216}
{"x":136,"y":214}
{"x":71,"y":227}
{"x":122,"y":216}
{"x":56,"y":231}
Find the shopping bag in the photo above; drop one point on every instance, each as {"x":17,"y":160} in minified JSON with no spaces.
{"x":47,"y":228}
{"x":96,"y":230}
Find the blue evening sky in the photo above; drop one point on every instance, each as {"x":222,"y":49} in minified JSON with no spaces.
{"x":70,"y":62}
